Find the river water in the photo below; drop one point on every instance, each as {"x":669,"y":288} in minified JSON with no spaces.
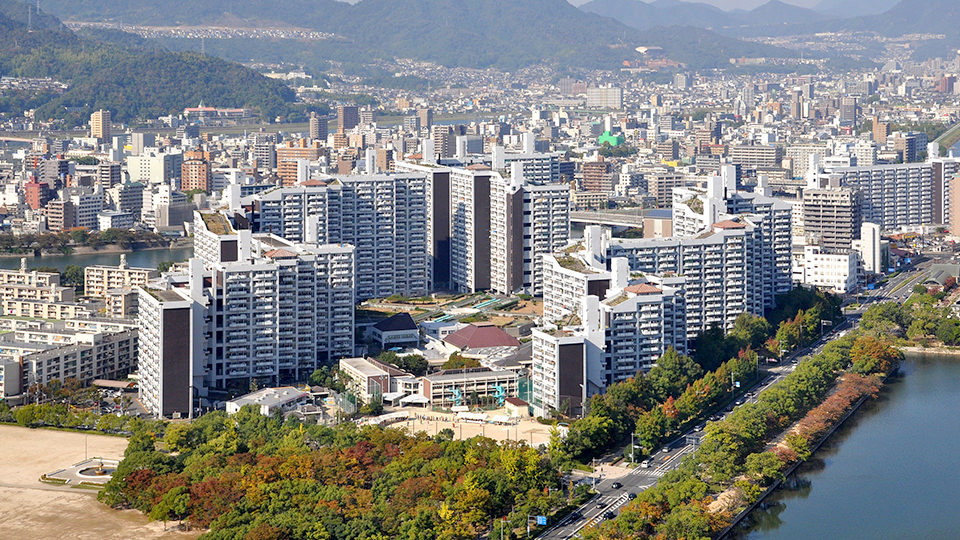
{"x":891,"y":472}
{"x":148,"y":258}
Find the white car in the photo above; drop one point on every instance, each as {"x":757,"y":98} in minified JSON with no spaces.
{"x":645,"y":464}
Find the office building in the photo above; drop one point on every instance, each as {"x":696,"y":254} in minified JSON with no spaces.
{"x":849,"y":111}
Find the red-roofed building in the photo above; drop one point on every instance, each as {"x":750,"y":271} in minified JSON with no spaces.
{"x":481,"y":336}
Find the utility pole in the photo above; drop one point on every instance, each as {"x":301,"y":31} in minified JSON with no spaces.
{"x":632,"y":449}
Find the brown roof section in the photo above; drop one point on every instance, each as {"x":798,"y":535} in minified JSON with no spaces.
{"x":481,"y":336}
{"x":729,"y":224}
{"x":311,"y":183}
{"x":280,"y":253}
{"x":643,"y":288}
{"x":478,"y":167}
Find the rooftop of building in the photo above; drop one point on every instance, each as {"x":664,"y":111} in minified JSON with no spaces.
{"x":572,"y":262}
{"x":364,"y":366}
{"x":217,"y":223}
{"x":396,"y":323}
{"x":481,"y":336}
{"x":271,"y":397}
{"x":468,"y":374}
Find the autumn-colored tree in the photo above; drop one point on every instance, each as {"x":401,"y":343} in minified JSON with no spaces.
{"x":873,"y":355}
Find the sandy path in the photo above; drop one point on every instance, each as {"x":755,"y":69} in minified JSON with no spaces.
{"x":31,"y":509}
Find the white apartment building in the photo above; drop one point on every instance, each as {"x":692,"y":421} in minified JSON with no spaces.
{"x":526,"y":222}
{"x":832,"y":272}
{"x":383,"y":216}
{"x":614,"y":339}
{"x":97,"y":280}
{"x":894,"y":196}
{"x":729,"y":270}
{"x":257,"y":307}
{"x":155,"y":167}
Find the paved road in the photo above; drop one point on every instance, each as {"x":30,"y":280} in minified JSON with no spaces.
{"x":639,"y":479}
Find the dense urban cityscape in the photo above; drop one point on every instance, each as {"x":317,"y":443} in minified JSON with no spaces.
{"x":328,"y":270}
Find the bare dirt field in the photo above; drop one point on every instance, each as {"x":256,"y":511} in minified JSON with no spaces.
{"x":529,"y":430}
{"x":38,"y":511}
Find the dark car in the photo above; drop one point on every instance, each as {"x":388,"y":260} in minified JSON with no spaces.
{"x":575,"y":516}
{"x":608,"y":515}
{"x":631,"y":495}
{"x":617,"y":485}
{"x":601,"y":504}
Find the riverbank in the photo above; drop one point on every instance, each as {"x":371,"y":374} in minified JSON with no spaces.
{"x":938,"y":351}
{"x":773,"y":487}
{"x":107,"y":250}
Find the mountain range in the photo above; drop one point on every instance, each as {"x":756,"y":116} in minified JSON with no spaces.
{"x":474,"y":33}
{"x":132,"y":82}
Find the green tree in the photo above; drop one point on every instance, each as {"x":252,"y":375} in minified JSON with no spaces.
{"x":751,"y":330}
{"x":672,"y":374}
{"x":764,"y":467}
{"x":458,"y":361}
{"x":73,"y":275}
{"x":949,"y":331}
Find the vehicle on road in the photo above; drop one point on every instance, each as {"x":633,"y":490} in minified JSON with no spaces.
{"x":616,"y":485}
{"x":631,"y":495}
{"x":601,"y":504}
{"x":608,"y":515}
{"x":645,"y":464}
{"x":666,"y":450}
{"x":575,"y":516}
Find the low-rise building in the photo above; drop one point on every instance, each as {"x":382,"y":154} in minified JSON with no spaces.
{"x":270,"y":401}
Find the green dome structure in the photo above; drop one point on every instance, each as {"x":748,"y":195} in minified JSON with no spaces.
{"x":612,"y":140}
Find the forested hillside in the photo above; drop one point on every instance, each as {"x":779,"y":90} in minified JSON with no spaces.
{"x":130,"y":81}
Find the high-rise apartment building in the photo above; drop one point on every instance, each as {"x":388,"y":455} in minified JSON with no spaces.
{"x":348,"y":117}
{"x":604,"y":97}
{"x":832,"y":217}
{"x":894,"y":196}
{"x":254,"y":307}
{"x":425,"y":115}
{"x":444,"y":141}
{"x":383,"y":216}
{"x":597,"y":176}
{"x":291,"y":154}
{"x":196,"y":174}
{"x":318,"y":128}
{"x":527,"y":222}
{"x":100,"y":125}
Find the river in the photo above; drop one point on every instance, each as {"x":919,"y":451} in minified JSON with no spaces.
{"x":148,"y":258}
{"x":889,"y":473}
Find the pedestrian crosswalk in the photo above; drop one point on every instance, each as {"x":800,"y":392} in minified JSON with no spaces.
{"x":655,"y":473}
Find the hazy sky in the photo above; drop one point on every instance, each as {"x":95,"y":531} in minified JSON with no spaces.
{"x":735,"y":4}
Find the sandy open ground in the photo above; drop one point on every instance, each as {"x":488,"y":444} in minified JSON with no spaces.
{"x":529,"y":430}
{"x":33,"y":510}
